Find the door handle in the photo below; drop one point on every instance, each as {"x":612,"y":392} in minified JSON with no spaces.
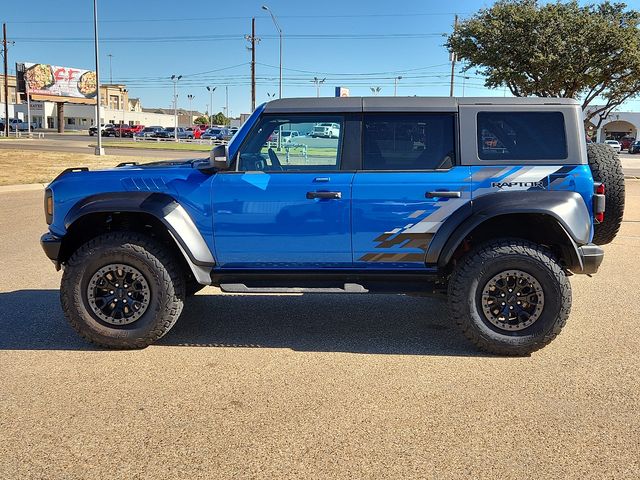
{"x":443,"y":195}
{"x":324,"y":195}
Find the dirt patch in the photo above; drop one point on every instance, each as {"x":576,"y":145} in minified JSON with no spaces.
{"x":32,"y":166}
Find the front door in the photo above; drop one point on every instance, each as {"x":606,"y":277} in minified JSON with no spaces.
{"x":287,"y":204}
{"x":408,"y":186}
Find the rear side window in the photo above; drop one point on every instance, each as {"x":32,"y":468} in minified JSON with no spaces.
{"x":521,"y":136}
{"x":408,"y":141}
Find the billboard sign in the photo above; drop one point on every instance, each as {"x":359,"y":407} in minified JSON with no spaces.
{"x":58,"y":81}
{"x":342,"y":92}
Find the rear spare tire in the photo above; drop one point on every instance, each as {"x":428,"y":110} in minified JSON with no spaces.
{"x":606,"y":168}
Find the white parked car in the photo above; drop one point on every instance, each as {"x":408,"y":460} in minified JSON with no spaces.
{"x":614,"y":144}
{"x":290,"y":135}
{"x":326,"y":130}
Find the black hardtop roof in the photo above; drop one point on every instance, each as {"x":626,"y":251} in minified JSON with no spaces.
{"x":400,"y":104}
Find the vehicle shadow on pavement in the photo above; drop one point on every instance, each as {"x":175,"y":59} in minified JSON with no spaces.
{"x":375,"y":324}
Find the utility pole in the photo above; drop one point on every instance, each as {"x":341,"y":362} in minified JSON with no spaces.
{"x":252,"y":41}
{"x":110,"y":71}
{"x":452,"y":56}
{"x":226,"y":89}
{"x":6,"y":81}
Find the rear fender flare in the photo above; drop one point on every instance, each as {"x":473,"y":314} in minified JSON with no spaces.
{"x":567,"y":208}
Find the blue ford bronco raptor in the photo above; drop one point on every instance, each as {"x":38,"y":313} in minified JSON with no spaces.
{"x":494,"y":202}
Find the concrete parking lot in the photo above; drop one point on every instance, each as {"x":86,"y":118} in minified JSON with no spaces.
{"x":322,"y":386}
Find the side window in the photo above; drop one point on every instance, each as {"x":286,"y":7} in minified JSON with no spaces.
{"x":521,"y":136}
{"x":295,"y":143}
{"x":408,"y":141}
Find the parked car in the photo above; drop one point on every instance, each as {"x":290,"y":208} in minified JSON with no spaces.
{"x":626,"y":141}
{"x":418,"y":204}
{"x":614,"y":144}
{"x":326,"y":130}
{"x":149,"y":132}
{"x":94,"y":130}
{"x":111,"y":131}
{"x":171,"y":132}
{"x":17,"y":124}
{"x":123,"y":130}
{"x":290,"y":135}
{"x":194,"y":132}
{"x":216,"y":133}
{"x":635,"y":147}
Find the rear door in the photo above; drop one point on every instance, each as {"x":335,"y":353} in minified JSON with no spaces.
{"x":410,"y":183}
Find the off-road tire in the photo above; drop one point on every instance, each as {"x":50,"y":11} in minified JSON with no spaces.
{"x":606,"y":168}
{"x":159,"y":267}
{"x":473,"y":272}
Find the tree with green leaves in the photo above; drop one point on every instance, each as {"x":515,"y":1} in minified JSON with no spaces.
{"x":201,"y":120}
{"x":587,"y":52}
{"x":220,"y":119}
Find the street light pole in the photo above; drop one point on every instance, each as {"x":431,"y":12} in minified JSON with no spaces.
{"x":275,"y":22}
{"x":317,"y":81}
{"x":228,"y":120}
{"x":190,"y":97}
{"x":110,"y":71}
{"x":99,"y":150}
{"x":395,"y":86}
{"x":211,"y":90}
{"x":175,"y":80}
{"x":125,"y":105}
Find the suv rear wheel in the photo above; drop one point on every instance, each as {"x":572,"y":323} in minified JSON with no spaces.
{"x":509,"y":297}
{"x":122,"y":290}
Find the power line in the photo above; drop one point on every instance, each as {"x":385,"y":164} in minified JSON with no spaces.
{"x":226,"y":37}
{"x":206,"y":19}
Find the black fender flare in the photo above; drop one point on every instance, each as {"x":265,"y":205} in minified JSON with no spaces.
{"x":164,"y":208}
{"x":567,"y":208}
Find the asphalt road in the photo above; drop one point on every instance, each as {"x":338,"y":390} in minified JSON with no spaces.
{"x":325,"y":386}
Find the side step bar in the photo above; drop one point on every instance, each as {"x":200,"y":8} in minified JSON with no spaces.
{"x":242,"y":288}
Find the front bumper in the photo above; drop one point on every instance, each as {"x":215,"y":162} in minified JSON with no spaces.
{"x":591,"y":256}
{"x":51,"y":246}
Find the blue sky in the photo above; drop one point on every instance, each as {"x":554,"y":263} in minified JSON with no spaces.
{"x":357,"y":44}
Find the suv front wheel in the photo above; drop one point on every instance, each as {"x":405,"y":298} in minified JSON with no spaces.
{"x":509,"y":297}
{"x":122,"y":290}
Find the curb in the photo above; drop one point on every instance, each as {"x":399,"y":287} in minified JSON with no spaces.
{"x":22,"y":188}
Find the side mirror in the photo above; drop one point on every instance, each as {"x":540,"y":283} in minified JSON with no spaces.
{"x":218,"y":157}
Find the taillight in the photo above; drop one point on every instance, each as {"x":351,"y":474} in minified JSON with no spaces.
{"x":599,"y":216}
{"x":600,"y":188}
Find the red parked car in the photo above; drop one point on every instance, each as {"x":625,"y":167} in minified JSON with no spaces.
{"x":625,"y":142}
{"x":124,"y":130}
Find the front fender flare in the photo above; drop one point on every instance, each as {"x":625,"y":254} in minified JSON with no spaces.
{"x":163,"y":207}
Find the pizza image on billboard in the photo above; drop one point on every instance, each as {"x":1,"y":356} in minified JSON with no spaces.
{"x":55,"y":80}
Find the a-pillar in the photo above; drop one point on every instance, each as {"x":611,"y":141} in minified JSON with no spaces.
{"x":60,"y":113}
